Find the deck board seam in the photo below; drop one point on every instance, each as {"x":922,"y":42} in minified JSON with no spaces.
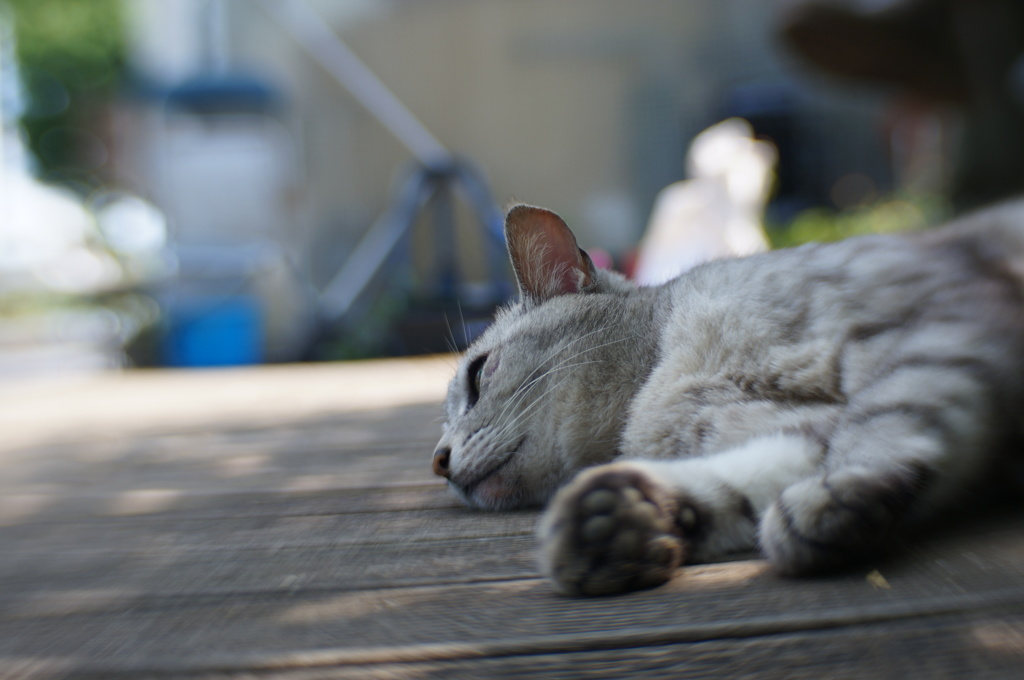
{"x":999,"y":602}
{"x":156,"y":602}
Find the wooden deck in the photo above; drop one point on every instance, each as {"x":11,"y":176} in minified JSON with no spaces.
{"x":284,"y":523}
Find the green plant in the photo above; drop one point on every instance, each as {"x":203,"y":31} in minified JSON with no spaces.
{"x":891,"y":214}
{"x":72,"y":55}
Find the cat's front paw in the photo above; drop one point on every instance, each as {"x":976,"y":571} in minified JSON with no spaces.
{"x":612,"y":529}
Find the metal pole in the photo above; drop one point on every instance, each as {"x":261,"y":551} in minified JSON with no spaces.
{"x":320,"y":42}
{"x":374,"y":247}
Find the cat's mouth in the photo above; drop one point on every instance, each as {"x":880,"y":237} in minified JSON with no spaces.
{"x":486,"y":488}
{"x":473,"y":485}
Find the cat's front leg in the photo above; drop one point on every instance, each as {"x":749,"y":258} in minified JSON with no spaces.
{"x":613,"y":528}
{"x":629,"y":525}
{"x":907,"y":446}
{"x":837,"y":519}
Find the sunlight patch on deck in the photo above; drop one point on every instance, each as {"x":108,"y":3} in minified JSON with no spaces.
{"x":60,"y":603}
{"x":143,"y":501}
{"x":114,"y":404}
{"x":1004,"y":637}
{"x":721,"y":575}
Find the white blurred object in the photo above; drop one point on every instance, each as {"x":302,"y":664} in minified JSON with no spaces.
{"x":227,"y":179}
{"x":132,"y":225}
{"x":135,"y":230}
{"x":717,"y":212}
{"x":48,"y":240}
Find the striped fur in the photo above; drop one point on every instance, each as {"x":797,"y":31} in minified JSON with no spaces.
{"x":806,"y":401}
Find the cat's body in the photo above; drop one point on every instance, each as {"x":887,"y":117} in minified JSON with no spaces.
{"x":806,"y":401}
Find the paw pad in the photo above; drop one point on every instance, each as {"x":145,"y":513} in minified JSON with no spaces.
{"x":609,"y":531}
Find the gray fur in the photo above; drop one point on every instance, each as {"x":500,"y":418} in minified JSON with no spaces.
{"x":805,"y":401}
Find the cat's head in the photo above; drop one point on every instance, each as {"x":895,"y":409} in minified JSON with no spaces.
{"x":521,"y":408}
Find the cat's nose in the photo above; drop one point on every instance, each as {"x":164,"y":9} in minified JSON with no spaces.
{"x":441,"y":457}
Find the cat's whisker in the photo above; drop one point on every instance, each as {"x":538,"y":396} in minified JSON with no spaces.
{"x":573,"y":356}
{"x":462,"y":320}
{"x":562,"y":364}
{"x":561,"y":348}
{"x":502,"y":434}
{"x":597,"y":347}
{"x":519,"y":395}
{"x":450,"y":341}
{"x":509,"y":426}
{"x":580,"y":339}
{"x":523,"y":394}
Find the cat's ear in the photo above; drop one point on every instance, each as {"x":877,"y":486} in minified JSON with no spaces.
{"x":546,"y":260}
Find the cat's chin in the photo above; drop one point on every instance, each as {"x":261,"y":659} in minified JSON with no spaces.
{"x":495,"y":493}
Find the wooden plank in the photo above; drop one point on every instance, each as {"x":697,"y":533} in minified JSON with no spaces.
{"x":65,"y":540}
{"x":279,"y":539}
{"x":131,"y":650}
{"x":43,"y":587}
{"x":124,"y":492}
{"x":161,"y":505}
{"x":160,"y":473}
{"x":955,"y":647}
{"x":140,"y":402}
{"x":342,"y":553}
{"x":138,"y":486}
{"x":223,"y":455}
{"x":206,"y":450}
{"x":470,"y":621}
{"x":374,"y":429}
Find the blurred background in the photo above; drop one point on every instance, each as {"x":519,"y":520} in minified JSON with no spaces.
{"x":199,"y":183}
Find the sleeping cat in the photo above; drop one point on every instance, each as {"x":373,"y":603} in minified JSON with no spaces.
{"x":804,"y":401}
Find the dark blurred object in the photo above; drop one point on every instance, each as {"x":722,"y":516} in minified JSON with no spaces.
{"x":910,"y":45}
{"x":967,"y":53}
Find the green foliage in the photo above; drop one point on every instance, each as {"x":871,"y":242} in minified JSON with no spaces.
{"x":79,"y":41}
{"x":72,"y":54}
{"x":889,"y":215}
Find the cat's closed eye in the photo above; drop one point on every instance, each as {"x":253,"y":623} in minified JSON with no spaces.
{"x":474,"y":374}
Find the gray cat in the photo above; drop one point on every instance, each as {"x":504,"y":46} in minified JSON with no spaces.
{"x":806,"y":401}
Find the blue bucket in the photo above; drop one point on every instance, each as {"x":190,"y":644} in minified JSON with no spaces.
{"x":221,"y":331}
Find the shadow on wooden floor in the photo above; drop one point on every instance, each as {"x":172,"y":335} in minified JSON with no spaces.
{"x":319,"y":545}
